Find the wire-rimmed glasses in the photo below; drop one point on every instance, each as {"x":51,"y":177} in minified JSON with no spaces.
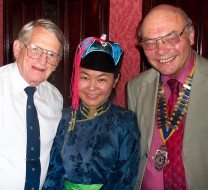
{"x":169,"y":40}
{"x":35,"y":52}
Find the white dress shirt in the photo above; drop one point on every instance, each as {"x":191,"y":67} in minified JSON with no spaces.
{"x":13,"y":128}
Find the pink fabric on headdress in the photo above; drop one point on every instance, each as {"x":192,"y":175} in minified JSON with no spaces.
{"x":76,"y":65}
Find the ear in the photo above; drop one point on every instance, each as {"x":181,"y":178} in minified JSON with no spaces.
{"x":16,"y":48}
{"x":191,"y":35}
{"x":116,"y":80}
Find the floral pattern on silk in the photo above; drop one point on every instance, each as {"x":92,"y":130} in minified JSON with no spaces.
{"x":101,"y":150}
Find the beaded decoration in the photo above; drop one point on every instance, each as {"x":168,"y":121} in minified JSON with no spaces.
{"x":168,"y":124}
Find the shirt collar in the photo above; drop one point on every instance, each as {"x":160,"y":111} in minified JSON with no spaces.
{"x":21,"y":84}
{"x":16,"y":76}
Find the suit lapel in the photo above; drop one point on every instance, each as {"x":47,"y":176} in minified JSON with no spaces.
{"x":149,"y":93}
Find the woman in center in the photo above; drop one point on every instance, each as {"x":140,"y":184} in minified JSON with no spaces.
{"x":97,"y":143}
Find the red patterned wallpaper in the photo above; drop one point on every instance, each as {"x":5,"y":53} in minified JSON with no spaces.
{"x":124,"y":18}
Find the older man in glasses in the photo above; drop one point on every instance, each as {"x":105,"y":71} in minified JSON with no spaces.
{"x":25,"y":140}
{"x":171,"y":103}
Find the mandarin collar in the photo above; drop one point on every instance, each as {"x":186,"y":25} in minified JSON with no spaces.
{"x":102,"y":108}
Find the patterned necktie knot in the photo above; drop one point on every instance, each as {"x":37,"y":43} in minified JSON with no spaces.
{"x":30,"y":90}
{"x":174,"y":86}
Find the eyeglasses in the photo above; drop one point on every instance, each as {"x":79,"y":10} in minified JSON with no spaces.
{"x":35,"y":52}
{"x":170,"y":40}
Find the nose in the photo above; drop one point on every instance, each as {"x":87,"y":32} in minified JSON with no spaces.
{"x":92,"y":85}
{"x":42,"y":59}
{"x":161,"y":48}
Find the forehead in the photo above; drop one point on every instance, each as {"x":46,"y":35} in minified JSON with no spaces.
{"x":44,"y":38}
{"x":162,"y":21}
{"x":93,"y":72}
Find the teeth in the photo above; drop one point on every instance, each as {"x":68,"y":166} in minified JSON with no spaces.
{"x":92,"y":95}
{"x":166,"y":60}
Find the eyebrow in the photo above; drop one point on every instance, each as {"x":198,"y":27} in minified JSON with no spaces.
{"x":104,"y":74}
{"x":173,"y":32}
{"x":32,"y":44}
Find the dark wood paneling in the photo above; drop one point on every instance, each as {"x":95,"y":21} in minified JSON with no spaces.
{"x":196,"y":10}
{"x":77,"y":19}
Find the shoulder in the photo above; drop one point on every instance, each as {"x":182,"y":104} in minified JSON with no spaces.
{"x":118,"y":109}
{"x":51,"y":95}
{"x":8,"y":75}
{"x":50,"y":92}
{"x":123,"y":115}
{"x":201,"y":59}
{"x":67,"y":113}
{"x":124,"y":121}
{"x":6,"y":69}
{"x":144,"y":77}
{"x":64,"y":123}
{"x":201,"y":64}
{"x":47,"y":86}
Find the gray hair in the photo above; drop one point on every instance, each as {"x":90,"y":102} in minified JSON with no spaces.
{"x":182,"y":13}
{"x":27,"y":29}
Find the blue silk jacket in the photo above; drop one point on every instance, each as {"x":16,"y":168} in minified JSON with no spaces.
{"x":101,"y":150}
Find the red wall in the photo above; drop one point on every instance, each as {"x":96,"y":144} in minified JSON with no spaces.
{"x":124,"y":18}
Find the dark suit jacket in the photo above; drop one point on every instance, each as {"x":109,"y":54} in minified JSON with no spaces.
{"x":142,"y":93}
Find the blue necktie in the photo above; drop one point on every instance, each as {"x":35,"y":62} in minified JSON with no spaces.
{"x":33,"y":167}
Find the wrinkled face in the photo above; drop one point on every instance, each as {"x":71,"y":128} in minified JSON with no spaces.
{"x":35,"y":71}
{"x":168,"y":60}
{"x":95,"y":87}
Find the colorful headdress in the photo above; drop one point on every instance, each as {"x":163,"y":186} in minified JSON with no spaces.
{"x":95,"y":54}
